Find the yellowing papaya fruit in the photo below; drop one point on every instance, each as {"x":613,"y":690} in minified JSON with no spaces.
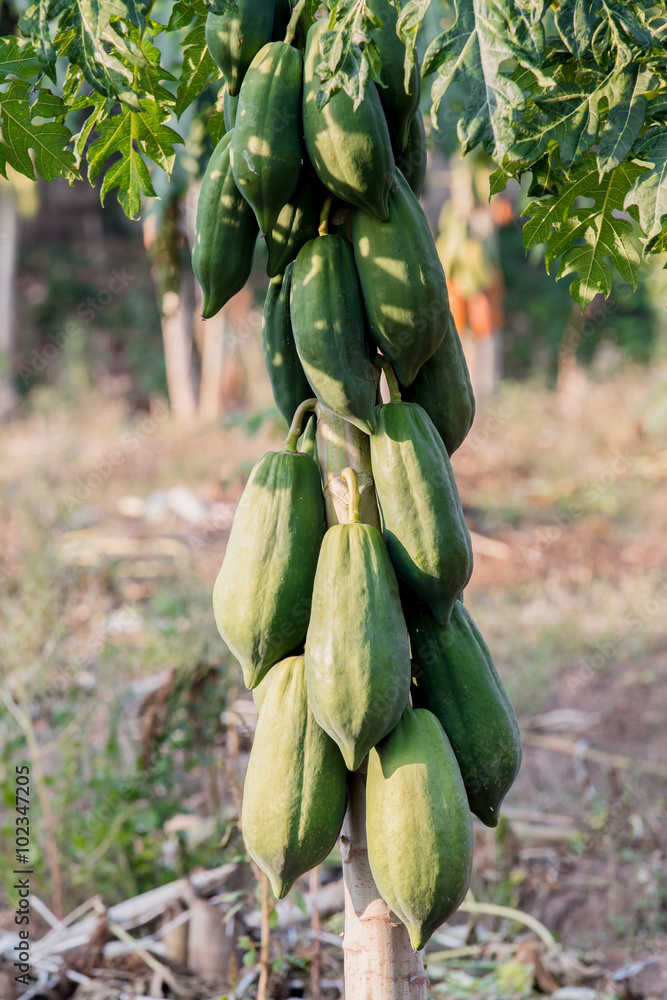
{"x":329,"y":331}
{"x":444,"y":389}
{"x":297,"y":222}
{"x":350,"y":150}
{"x":266,"y":143}
{"x":402,"y":282}
{"x":457,"y":680}
{"x":235,"y":37}
{"x":399,"y":105}
{"x":225,"y":233}
{"x":422,"y":519}
{"x":412,"y":161}
{"x":262,"y":595}
{"x":295,"y":790}
{"x":288,"y":381}
{"x":418,"y":825}
{"x":356,"y":649}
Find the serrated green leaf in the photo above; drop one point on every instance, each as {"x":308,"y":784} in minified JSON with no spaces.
{"x":18,"y":58}
{"x":408,"y":24}
{"x":576,"y":23}
{"x":198,"y":69}
{"x":20,"y":133}
{"x":136,"y":12}
{"x":649,"y":190}
{"x":35,"y":24}
{"x":627,"y":111}
{"x":183,"y":14}
{"x":568,"y":117}
{"x":350,"y":56}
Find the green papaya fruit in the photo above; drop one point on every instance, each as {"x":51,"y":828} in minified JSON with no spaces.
{"x":295,"y":791}
{"x":298,"y":221}
{"x":281,"y":16}
{"x":235,"y":37}
{"x":225,"y":233}
{"x":263,"y":591}
{"x":418,"y":825}
{"x":350,"y":150}
{"x":399,"y":106}
{"x":329,"y":330}
{"x":229,"y":108}
{"x":444,"y":389}
{"x":422,"y":520}
{"x":288,"y":381}
{"x":402,"y":282}
{"x":457,"y":680}
{"x":266,"y":142}
{"x":356,"y":651}
{"x":412,"y":161}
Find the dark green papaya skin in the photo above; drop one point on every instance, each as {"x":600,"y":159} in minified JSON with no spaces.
{"x":399,"y":106}
{"x":350,"y":150}
{"x":235,"y":37}
{"x":295,"y":791}
{"x":422,"y":520}
{"x":229,"y":108}
{"x":457,"y":680}
{"x":266,"y":145}
{"x":225,"y":233}
{"x":412,"y":161}
{"x":418,"y":825}
{"x":444,"y":389}
{"x":402,"y":282}
{"x":288,"y":381}
{"x":356,"y":646}
{"x":297,"y":223}
{"x":329,"y":330}
{"x":262,"y":595}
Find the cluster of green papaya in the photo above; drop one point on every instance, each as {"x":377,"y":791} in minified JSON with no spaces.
{"x":354,"y":640}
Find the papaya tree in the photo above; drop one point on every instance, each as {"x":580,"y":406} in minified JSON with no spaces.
{"x":382,"y":719}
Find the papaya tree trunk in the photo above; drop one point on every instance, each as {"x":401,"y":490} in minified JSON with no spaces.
{"x":379,"y":961}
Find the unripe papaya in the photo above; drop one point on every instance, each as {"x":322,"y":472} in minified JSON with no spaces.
{"x":356,"y":651}
{"x":266,"y":143}
{"x":350,"y":150}
{"x":295,"y":790}
{"x":418,"y":825}
{"x":225,"y":233}
{"x":457,"y":680}
{"x":263,"y":592}
{"x":297,"y":223}
{"x":444,"y":389}
{"x":399,"y":106}
{"x":235,"y":37}
{"x":422,"y":520}
{"x":329,"y":330}
{"x":402,"y":282}
{"x":288,"y":381}
{"x":229,"y":108}
{"x":412,"y":161}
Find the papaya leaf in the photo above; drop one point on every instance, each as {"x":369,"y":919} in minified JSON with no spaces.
{"x":627,"y":112}
{"x":407,"y":26}
{"x":649,"y":189}
{"x":576,"y":23}
{"x":35,"y":24}
{"x":350,"y":56}
{"x":198,"y":69}
{"x":21,"y":131}
{"x":136,"y":12}
{"x":18,"y":58}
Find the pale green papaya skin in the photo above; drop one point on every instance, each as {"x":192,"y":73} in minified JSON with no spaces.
{"x":422,"y":519}
{"x":402,"y":282}
{"x":357,"y":654}
{"x":329,"y":329}
{"x":399,"y":107}
{"x":457,"y":680}
{"x":444,"y":389}
{"x":262,"y":595}
{"x":288,"y":381}
{"x":235,"y":37}
{"x":418,"y":825}
{"x":266,"y":143}
{"x":295,"y":791}
{"x":297,"y":223}
{"x":412,"y":161}
{"x":350,"y":150}
{"x":225,"y":233}
{"x":229,"y":108}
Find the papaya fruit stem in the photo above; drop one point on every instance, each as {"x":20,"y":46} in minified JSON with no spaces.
{"x":295,"y":427}
{"x":354,"y":500}
{"x":324,"y":217}
{"x":293,"y":21}
{"x":392,"y":381}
